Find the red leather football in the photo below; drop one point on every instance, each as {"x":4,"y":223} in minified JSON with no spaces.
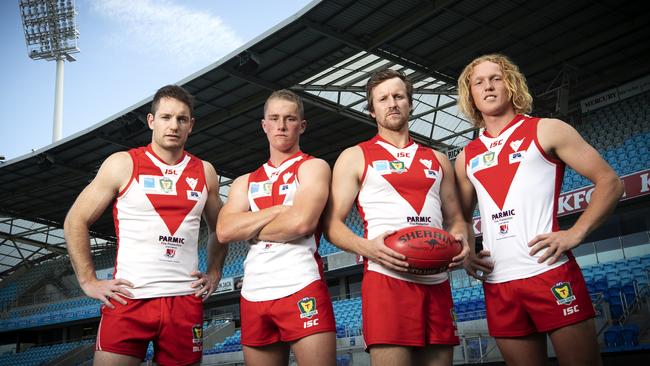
{"x":428,"y":250}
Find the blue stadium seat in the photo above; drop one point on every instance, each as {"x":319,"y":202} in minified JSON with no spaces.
{"x":629,"y":292}
{"x":344,"y":360}
{"x":630,"y":336}
{"x":613,"y":338}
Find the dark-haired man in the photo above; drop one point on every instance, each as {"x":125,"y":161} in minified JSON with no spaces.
{"x":159,"y":193}
{"x":407,"y":318}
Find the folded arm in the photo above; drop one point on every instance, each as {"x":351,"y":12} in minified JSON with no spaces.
{"x":236,"y":221}
{"x":301,"y":218}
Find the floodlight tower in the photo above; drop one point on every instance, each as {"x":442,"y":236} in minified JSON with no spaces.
{"x":51,"y":34}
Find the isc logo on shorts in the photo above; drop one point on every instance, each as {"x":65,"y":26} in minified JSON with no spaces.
{"x":310,"y":323}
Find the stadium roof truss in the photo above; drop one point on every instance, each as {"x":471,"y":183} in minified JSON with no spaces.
{"x":435,"y":119}
{"x":325,"y":53}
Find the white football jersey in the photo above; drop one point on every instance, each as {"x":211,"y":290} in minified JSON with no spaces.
{"x":517,"y":185}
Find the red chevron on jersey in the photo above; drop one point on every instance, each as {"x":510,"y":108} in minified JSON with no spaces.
{"x":495,"y":161}
{"x":176,"y":190}
{"x":269,"y":185}
{"x":517,"y":185}
{"x":274,"y":270}
{"x":404,"y":169}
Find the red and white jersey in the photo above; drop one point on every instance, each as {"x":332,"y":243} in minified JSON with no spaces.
{"x":517,"y":185}
{"x":157,"y":218}
{"x":399,"y":187}
{"x":273,"y":270}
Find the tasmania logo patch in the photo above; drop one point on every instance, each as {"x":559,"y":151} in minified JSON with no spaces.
{"x":166,"y":185}
{"x":397,"y":166}
{"x":307,"y":307}
{"x":197,"y":338}
{"x":563,"y":293}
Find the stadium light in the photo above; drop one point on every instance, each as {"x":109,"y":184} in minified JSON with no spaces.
{"x":51,"y":34}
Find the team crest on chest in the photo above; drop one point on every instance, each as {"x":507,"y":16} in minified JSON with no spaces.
{"x":152,"y":184}
{"x":486,"y":160}
{"x":489,"y":159}
{"x":166,"y":184}
{"x":397,"y":166}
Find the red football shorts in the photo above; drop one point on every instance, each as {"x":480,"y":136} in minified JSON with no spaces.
{"x":174,"y":324}
{"x":306,"y":312}
{"x":541,"y":303}
{"x":406,"y":313}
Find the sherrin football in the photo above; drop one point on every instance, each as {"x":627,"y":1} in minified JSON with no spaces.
{"x":428,"y":250}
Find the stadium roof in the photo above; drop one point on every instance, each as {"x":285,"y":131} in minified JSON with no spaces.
{"x":325,"y":52}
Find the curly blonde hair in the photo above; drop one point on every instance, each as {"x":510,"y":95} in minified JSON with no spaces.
{"x":515,"y":82}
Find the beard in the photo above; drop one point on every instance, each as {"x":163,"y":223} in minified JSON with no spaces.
{"x":394,"y":123}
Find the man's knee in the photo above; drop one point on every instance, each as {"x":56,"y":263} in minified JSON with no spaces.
{"x":390,"y":355}
{"x":316,"y":349}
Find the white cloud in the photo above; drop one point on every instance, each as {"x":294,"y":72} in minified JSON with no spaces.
{"x":163,"y":29}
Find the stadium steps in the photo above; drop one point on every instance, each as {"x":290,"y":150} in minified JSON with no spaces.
{"x":84,"y":352}
{"x":217,"y":332}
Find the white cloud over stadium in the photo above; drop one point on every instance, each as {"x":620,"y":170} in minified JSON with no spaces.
{"x":167,"y":29}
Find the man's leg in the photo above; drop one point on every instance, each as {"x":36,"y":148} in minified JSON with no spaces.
{"x":103,"y":358}
{"x":434,"y":355}
{"x":576,"y":344}
{"x":390,"y":355}
{"x":276,"y":354}
{"x":316,"y":350}
{"x":528,"y":350}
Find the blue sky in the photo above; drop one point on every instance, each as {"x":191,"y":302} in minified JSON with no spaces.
{"x":128,"y":50}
